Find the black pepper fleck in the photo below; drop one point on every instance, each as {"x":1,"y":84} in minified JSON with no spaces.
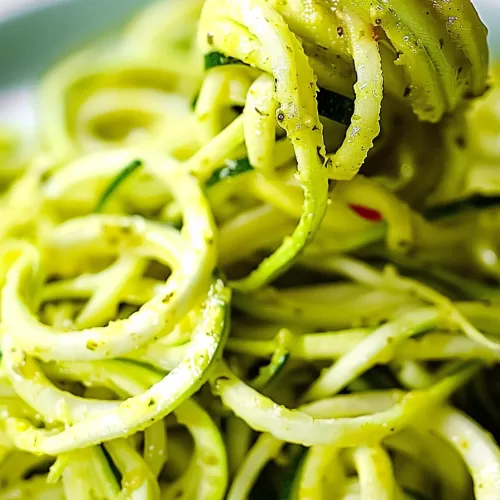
{"x":320,"y":155}
{"x":403,"y":244}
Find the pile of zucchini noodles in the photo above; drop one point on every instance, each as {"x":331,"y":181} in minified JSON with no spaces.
{"x":202,"y":298}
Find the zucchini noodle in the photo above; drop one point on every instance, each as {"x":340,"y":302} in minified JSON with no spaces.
{"x":254,"y":254}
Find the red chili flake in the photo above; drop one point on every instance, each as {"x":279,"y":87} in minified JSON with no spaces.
{"x":367,"y":213}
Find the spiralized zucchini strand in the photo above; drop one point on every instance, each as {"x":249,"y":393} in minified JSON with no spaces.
{"x":476,"y":447}
{"x":138,"y":412}
{"x":294,"y":91}
{"x":297,"y":426}
{"x":375,"y":472}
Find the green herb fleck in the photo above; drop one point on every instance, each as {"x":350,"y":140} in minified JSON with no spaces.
{"x":232,"y":168}
{"x":214,"y":59}
{"x":194,"y":101}
{"x":117,"y":182}
{"x":269,"y":372}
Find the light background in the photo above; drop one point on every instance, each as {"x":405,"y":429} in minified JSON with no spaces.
{"x":9,"y":6}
